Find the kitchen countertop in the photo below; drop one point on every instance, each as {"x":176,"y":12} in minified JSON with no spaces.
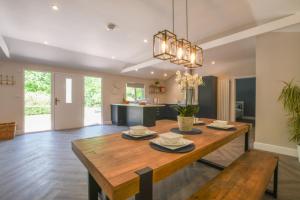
{"x":142,"y":106}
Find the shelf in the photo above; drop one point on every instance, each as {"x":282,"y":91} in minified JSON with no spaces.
{"x":154,"y":89}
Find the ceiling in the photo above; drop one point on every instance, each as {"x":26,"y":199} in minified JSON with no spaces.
{"x":77,"y":36}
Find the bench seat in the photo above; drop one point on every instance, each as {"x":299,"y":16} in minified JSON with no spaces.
{"x":246,"y":178}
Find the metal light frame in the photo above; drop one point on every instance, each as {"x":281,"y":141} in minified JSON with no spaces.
{"x":197,"y":61}
{"x":185,"y":45}
{"x":169,"y":50}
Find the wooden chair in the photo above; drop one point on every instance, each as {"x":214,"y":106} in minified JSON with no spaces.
{"x":247,"y":178}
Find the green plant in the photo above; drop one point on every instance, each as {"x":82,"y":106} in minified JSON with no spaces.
{"x":92,"y":92}
{"x":187,"y":110}
{"x":290,"y":98}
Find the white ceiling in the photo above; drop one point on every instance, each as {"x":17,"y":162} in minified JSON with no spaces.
{"x":77,"y":36}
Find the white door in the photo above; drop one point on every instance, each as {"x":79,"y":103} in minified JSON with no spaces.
{"x":68,"y":101}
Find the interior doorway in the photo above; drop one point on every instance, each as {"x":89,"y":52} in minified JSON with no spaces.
{"x":37,"y":101}
{"x":245,"y":99}
{"x":92,"y":100}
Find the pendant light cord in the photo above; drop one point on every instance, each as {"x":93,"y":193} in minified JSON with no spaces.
{"x":173,"y":15}
{"x":187,"y":19}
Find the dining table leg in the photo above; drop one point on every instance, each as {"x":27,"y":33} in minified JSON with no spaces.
{"x":94,"y":189}
{"x":146,"y":184}
{"x":221,"y":167}
{"x":246,"y":146}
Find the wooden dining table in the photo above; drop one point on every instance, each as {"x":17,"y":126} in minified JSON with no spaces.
{"x":121,"y":168}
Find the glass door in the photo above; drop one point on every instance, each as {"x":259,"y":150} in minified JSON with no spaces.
{"x":37,"y":101}
{"x":92,"y":101}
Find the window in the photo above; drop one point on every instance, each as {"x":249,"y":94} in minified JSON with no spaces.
{"x":68,"y":90}
{"x":135,"y":91}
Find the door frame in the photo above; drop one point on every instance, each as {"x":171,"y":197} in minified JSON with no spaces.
{"x":233,"y":94}
{"x":102,"y":121}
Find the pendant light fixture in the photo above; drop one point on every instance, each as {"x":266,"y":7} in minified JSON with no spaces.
{"x":166,"y":46}
{"x":164,"y":42}
{"x":183,"y":47}
{"x":195,"y":52}
{"x":196,"y":57}
{"x":183,"y":52}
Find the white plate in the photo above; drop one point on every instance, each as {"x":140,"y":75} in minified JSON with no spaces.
{"x":225,"y":127}
{"x":148,"y":132}
{"x":185,"y":142}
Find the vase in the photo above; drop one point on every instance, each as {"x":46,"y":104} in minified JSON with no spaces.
{"x":185,"y":123}
{"x":298,"y":149}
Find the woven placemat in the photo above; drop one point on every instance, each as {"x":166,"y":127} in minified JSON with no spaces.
{"x":184,"y":149}
{"x":194,"y":131}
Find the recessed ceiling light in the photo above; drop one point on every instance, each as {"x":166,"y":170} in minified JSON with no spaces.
{"x":213,"y":62}
{"x":165,"y":74}
{"x":113,"y":57}
{"x":46,"y":42}
{"x":152,"y":72}
{"x":111,"y":26}
{"x":145,"y":41}
{"x":136,"y":69}
{"x":55,"y":7}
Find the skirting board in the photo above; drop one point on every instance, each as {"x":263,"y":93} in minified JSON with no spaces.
{"x":276,"y":149}
{"x":107,"y":122}
{"x":20,"y":132}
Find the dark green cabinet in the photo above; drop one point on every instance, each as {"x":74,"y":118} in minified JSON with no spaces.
{"x":118,"y":115}
{"x":207,"y":98}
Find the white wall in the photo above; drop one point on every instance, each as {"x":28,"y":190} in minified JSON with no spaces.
{"x":12,"y":97}
{"x":277,"y":60}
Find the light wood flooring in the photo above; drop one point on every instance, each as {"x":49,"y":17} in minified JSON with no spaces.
{"x":42,"y":166}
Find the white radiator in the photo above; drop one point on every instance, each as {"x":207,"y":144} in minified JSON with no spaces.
{"x":224,"y":99}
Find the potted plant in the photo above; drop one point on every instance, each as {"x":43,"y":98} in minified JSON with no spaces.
{"x":185,"y":116}
{"x":187,"y":83}
{"x":290,"y":98}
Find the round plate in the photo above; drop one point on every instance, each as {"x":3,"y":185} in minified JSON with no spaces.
{"x":184,"y":149}
{"x":147,"y":137}
{"x":194,"y":131}
{"x":221,"y":129}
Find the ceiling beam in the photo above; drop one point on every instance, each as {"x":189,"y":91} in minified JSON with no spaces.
{"x":4,"y":47}
{"x":252,"y":32}
{"x":144,"y":64}
{"x":258,"y":30}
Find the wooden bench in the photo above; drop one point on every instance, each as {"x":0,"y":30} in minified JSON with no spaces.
{"x":247,"y":178}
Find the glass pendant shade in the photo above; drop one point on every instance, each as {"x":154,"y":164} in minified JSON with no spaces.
{"x":195,"y":58}
{"x":164,"y":45}
{"x":183,"y":48}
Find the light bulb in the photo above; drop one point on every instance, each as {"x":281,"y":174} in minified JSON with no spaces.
{"x":179,"y":53}
{"x":55,"y":7}
{"x":164,"y":46}
{"x":193,"y":58}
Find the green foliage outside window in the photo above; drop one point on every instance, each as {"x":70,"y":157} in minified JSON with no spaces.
{"x":92,"y":92}
{"x":38,"y":82}
{"x":135,"y":94}
{"x":37,"y":92}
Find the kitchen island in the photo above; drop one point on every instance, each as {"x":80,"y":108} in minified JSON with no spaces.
{"x":134,"y":114}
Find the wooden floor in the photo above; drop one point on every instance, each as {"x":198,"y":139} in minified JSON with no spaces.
{"x":42,"y":166}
